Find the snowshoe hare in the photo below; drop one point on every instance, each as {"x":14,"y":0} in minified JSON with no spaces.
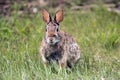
{"x":57,"y":45}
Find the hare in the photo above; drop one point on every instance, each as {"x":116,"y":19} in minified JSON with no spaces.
{"x":57,"y":45}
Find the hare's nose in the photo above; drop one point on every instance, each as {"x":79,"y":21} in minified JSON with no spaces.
{"x":51,"y":40}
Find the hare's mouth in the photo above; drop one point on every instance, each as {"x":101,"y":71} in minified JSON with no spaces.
{"x":51,"y":42}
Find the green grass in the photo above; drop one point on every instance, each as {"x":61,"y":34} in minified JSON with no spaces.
{"x":97,"y":32}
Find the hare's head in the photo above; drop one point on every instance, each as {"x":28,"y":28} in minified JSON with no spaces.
{"x":52,"y":28}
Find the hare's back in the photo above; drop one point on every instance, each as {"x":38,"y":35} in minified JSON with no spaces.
{"x":72,"y":49}
{"x":71,"y":45}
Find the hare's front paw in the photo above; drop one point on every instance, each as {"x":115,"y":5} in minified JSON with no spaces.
{"x":62,"y":64}
{"x":45,"y":60}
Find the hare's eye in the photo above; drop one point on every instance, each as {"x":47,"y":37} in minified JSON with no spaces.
{"x":57,"y":29}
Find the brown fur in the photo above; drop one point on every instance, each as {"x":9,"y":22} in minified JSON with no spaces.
{"x":65,"y":51}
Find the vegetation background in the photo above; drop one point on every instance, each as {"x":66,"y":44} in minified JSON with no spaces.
{"x":95,"y":25}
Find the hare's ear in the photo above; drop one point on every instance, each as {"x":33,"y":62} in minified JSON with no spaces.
{"x":46,"y":16}
{"x":59,"y":16}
